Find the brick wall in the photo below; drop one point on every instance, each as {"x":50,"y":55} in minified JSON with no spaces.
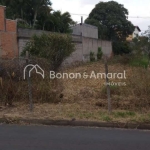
{"x":8,"y":36}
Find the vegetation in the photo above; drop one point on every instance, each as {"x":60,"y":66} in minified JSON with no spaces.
{"x":78,"y":97}
{"x":46,"y":46}
{"x":82,"y":99}
{"x":111,"y":19}
{"x":112,"y":22}
{"x":92,"y":56}
{"x":120,"y":47}
{"x":37,"y":14}
{"x":140,"y":61}
{"x":100,"y":53}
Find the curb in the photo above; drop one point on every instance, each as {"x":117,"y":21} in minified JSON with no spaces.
{"x":76,"y":123}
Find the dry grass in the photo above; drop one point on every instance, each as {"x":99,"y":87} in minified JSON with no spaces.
{"x":85,"y":99}
{"x":134,"y":96}
{"x":78,"y":111}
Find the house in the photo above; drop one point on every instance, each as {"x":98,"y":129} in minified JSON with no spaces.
{"x":135,"y":34}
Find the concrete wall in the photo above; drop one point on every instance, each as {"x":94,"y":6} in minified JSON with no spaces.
{"x":91,"y":45}
{"x":76,"y":56}
{"x":84,"y":45}
{"x":8,"y":36}
{"x":85,"y":30}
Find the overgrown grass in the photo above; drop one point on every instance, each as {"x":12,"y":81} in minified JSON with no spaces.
{"x":123,"y":114}
{"x":142,"y":61}
{"x":15,"y":89}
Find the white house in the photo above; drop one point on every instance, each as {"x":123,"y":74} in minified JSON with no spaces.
{"x":135,"y":34}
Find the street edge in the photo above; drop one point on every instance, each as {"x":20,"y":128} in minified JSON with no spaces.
{"x":75,"y":123}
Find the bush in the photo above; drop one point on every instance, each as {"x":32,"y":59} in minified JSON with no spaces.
{"x":99,"y":54}
{"x":120,"y":48}
{"x":54,"y":47}
{"x":92,"y":56}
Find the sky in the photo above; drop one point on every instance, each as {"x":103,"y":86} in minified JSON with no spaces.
{"x":136,"y":8}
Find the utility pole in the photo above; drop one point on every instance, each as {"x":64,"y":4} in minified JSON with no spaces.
{"x":29,"y":82}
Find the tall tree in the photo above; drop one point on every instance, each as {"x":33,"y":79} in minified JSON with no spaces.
{"x":112,"y":20}
{"x":62,"y":22}
{"x":27,"y":10}
{"x":37,"y":6}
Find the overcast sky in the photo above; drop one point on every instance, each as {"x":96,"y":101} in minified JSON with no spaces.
{"x":135,"y":7}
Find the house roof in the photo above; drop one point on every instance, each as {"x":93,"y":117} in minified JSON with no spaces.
{"x":138,"y":28}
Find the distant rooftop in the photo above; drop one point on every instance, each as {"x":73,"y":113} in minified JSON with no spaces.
{"x":138,"y":28}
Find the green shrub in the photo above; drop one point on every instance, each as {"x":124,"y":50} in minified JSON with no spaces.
{"x":140,"y":62}
{"x":106,"y":118}
{"x":99,"y":54}
{"x":54,"y":47}
{"x":120,"y":48}
{"x":92,"y":56}
{"x":124,"y":114}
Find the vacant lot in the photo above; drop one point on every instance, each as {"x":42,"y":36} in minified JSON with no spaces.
{"x":85,"y":99}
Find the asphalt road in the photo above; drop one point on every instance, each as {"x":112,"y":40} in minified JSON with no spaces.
{"x":14,"y":137}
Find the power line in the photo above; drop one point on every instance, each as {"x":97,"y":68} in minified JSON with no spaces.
{"x":146,"y":17}
{"x":139,"y":17}
{"x":79,"y":14}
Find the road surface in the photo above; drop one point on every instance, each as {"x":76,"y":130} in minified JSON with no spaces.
{"x":15,"y":137}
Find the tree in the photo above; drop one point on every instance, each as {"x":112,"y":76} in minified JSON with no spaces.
{"x":111,"y":20}
{"x":37,"y":14}
{"x":145,"y":45}
{"x":147,"y":33}
{"x":27,"y":10}
{"x":37,"y":6}
{"x":62,"y":22}
{"x":53,"y":47}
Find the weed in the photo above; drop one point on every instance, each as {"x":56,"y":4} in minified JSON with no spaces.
{"x":106,"y":118}
{"x":92,"y":56}
{"x":123,"y":114}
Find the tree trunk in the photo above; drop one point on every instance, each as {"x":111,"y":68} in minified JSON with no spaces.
{"x":35,"y":16}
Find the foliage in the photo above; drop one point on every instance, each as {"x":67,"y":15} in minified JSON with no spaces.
{"x":111,"y":19}
{"x":120,"y":48}
{"x":141,"y":52}
{"x":99,"y":54}
{"x":56,"y":22}
{"x":140,"y":61}
{"x":92,"y":56}
{"x":38,"y":14}
{"x":54,"y":47}
{"x":147,"y":33}
{"x":145,"y":41}
{"x":25,"y":9}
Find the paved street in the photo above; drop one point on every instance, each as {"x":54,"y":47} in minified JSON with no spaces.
{"x":14,"y":137}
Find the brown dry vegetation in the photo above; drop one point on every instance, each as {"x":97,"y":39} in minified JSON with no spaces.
{"x":84,"y":98}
